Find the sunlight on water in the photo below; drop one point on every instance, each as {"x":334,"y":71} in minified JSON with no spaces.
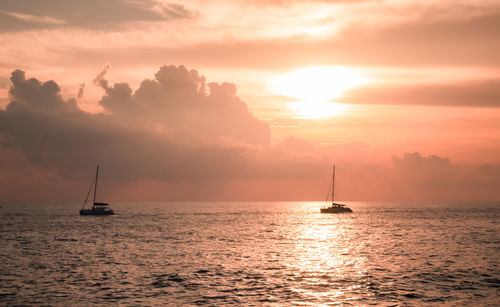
{"x":250,"y":253}
{"x":322,"y":256}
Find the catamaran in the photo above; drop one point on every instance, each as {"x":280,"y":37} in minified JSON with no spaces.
{"x":335,"y":207}
{"x":97,"y":208}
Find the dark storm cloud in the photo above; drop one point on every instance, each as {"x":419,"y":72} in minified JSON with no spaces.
{"x":95,"y":14}
{"x":175,"y":127}
{"x":472,"y":93}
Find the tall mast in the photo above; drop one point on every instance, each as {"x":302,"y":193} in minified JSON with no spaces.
{"x":95,"y":187}
{"x":333,"y":183}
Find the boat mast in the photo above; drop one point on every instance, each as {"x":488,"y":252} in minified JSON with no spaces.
{"x":95,"y":187}
{"x":333,"y":184}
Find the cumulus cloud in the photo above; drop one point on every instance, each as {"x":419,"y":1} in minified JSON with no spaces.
{"x":416,"y":175}
{"x":419,"y":177}
{"x":81,"y":90}
{"x":180,"y":101}
{"x":175,"y":127}
{"x":100,"y":80}
{"x":178,"y":129}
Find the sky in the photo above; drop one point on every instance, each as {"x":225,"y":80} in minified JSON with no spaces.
{"x":250,"y":100}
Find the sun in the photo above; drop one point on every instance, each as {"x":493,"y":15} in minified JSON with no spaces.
{"x":316,"y":109}
{"x":314,"y":88}
{"x":321,"y":83}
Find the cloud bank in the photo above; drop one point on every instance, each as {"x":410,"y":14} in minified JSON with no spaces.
{"x":175,"y":127}
{"x":476,"y":93}
{"x":179,"y":133}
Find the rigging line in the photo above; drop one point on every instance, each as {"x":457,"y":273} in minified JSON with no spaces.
{"x":88,"y":193}
{"x":328,"y":193}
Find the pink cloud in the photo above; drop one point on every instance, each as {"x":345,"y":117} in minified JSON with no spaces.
{"x":198,"y":140}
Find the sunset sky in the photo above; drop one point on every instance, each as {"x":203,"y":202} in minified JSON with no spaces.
{"x":250,"y":100}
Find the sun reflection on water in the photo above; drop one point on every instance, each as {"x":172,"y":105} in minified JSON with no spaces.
{"x":250,"y":254}
{"x":325,"y":255}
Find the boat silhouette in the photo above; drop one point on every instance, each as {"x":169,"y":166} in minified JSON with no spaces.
{"x":335,"y":207}
{"x":97,"y":208}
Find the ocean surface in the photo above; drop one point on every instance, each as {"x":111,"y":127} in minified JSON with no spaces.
{"x":278,"y":253}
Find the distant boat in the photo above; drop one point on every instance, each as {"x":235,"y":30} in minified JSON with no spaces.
{"x":97,"y":208}
{"x":335,"y":207}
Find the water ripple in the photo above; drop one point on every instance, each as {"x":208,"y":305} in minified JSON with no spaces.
{"x":256,"y":254}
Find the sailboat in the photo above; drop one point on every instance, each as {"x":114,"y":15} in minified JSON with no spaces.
{"x":97,"y":208}
{"x":335,"y":207}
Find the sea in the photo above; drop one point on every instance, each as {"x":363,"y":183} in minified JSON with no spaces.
{"x":251,"y":254}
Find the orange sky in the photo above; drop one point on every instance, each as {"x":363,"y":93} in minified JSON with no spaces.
{"x":402,"y":96}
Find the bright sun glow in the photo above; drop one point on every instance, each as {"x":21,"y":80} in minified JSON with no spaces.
{"x":316,"y":109}
{"x":315,"y":87}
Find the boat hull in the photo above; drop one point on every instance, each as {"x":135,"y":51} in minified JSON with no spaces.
{"x":96,"y":212}
{"x":98,"y":208}
{"x":336,"y":210}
